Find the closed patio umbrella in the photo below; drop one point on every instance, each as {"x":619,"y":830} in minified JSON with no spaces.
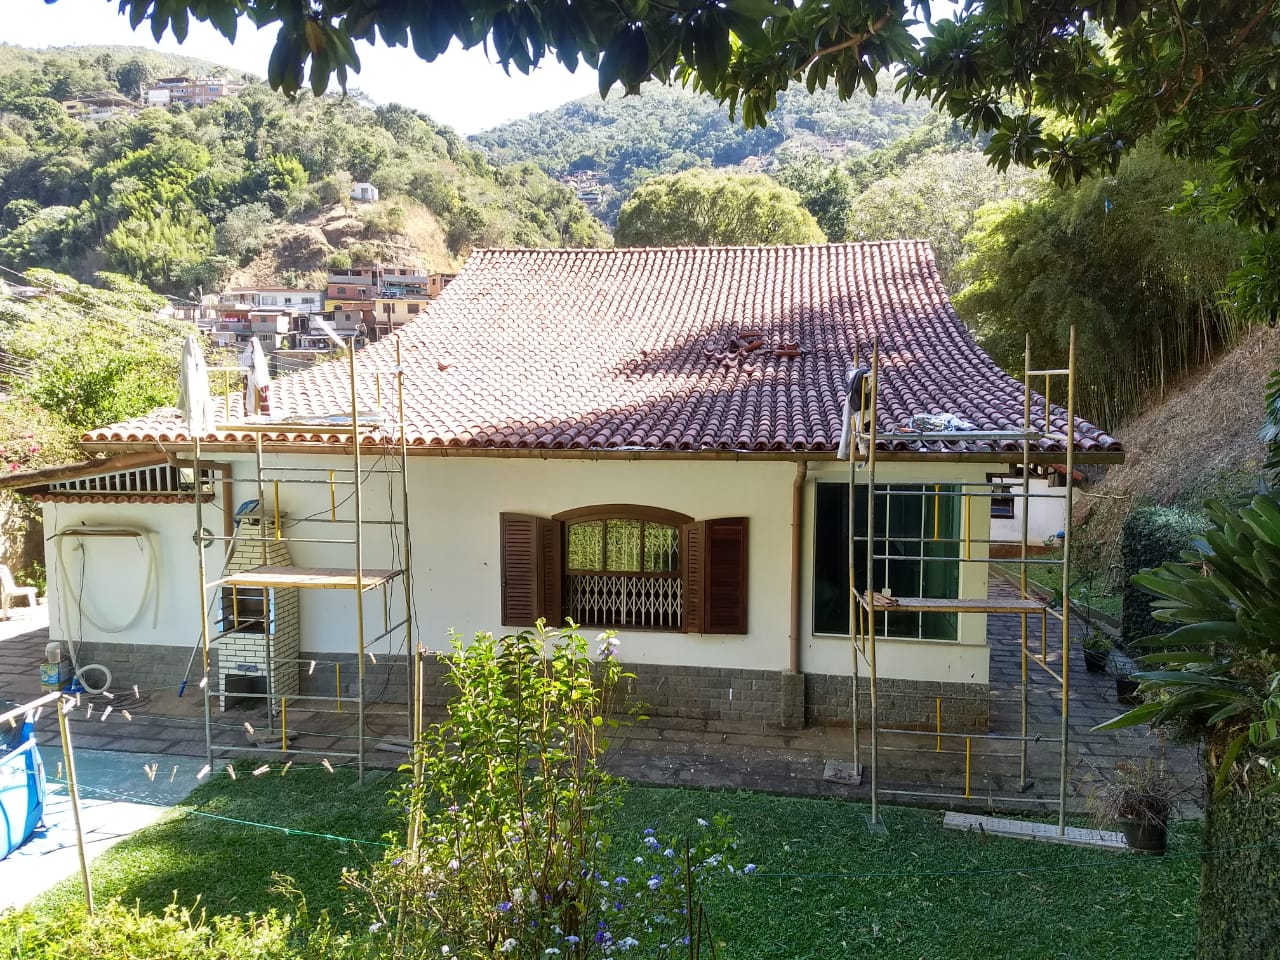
{"x":193,"y":389}
{"x":257,"y":380}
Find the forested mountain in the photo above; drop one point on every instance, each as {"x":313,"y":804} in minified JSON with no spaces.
{"x":181,"y":198}
{"x":625,"y":140}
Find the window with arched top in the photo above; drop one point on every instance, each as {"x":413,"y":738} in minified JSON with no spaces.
{"x":625,"y":565}
{"x":622,"y":568}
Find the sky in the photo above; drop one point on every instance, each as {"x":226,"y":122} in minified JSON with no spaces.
{"x":461,"y":89}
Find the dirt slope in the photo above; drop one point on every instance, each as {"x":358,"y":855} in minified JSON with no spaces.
{"x":403,"y":233}
{"x":1202,"y":437}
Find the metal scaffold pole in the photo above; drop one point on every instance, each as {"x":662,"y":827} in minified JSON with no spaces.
{"x":870,"y":584}
{"x":1066,"y":582}
{"x":359,"y":572}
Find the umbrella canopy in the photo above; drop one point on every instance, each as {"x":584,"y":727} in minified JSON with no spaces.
{"x":257,"y":379}
{"x":193,"y":389}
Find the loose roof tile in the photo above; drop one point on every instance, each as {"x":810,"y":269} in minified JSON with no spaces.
{"x":677,"y":349}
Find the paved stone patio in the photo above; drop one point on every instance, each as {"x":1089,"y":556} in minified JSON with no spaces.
{"x":695,"y":753}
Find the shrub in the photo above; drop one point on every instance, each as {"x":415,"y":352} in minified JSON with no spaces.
{"x":508,"y":851}
{"x":119,"y":931}
{"x":1152,"y":535}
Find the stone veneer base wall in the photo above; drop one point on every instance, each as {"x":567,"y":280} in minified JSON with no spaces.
{"x":725,"y":694}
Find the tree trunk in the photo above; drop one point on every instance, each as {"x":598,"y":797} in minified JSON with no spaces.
{"x":1240,"y":878}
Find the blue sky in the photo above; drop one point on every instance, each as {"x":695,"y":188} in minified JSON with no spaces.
{"x":461,"y":88}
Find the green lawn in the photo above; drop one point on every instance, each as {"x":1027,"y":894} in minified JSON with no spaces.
{"x":1049,"y":576}
{"x":824,"y":888}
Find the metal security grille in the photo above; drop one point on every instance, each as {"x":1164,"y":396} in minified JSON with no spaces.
{"x":625,"y":600}
{"x":159,"y":480}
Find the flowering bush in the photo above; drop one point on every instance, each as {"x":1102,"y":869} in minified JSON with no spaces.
{"x":508,"y":852}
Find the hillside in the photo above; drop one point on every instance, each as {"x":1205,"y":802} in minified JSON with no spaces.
{"x":188,"y":198}
{"x":621,"y":141}
{"x":1198,"y":440}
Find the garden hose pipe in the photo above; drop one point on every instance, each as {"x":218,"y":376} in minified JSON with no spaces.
{"x":149,"y":594}
{"x":143,"y":537}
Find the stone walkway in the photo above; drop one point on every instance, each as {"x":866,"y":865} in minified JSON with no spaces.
{"x":671,"y":751}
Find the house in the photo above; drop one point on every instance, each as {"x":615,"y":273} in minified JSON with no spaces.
{"x":391,"y":313}
{"x":364,"y":193}
{"x":99,"y":107}
{"x":637,"y":439}
{"x":272,"y":314}
{"x":192,"y":92}
{"x":1046,"y":506}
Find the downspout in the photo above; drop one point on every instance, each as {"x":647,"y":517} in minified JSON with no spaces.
{"x":797,"y":529}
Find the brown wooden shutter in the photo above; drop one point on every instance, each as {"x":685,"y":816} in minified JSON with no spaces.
{"x":726,"y":565}
{"x":532,"y":571}
{"x":551,"y":552}
{"x":692,"y":575}
{"x":714,"y":569}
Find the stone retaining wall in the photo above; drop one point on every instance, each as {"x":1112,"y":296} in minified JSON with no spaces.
{"x":724,"y":694}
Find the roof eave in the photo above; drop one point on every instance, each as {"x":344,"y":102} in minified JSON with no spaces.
{"x":215,"y":449}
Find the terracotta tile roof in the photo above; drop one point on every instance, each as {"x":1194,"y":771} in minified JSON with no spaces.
{"x":684,"y":349}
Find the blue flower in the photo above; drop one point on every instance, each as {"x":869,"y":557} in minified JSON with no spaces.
{"x":655,"y":882}
{"x":750,"y":868}
{"x":652,"y":843}
{"x":621,"y":881}
{"x":668,"y":852}
{"x":649,"y":831}
{"x":572,"y":940}
{"x":504,"y":906}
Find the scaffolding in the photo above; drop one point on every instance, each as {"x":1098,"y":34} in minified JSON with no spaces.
{"x":867,"y":602}
{"x":252,"y":592}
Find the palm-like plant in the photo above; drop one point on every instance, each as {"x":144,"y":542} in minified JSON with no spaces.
{"x":1218,"y":672}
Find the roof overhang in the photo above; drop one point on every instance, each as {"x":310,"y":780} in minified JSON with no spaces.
{"x":215,"y":449}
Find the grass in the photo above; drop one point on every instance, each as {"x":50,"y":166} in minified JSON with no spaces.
{"x":1050,"y":577}
{"x":229,"y":866}
{"x":825,"y":888}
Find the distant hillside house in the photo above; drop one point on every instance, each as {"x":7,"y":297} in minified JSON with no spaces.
{"x":637,"y":439}
{"x":194,"y":93}
{"x":365,"y":193}
{"x":98,"y":107}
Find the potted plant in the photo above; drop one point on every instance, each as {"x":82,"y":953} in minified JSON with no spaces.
{"x":1097,"y":650}
{"x":1140,"y":797}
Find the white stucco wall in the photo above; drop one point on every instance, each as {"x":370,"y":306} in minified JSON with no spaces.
{"x":1046,"y":515}
{"x":106,"y":579}
{"x":455,"y":503}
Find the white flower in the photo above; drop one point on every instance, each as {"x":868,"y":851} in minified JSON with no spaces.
{"x":626,"y":943}
{"x":551,"y":951}
{"x":444,"y":951}
{"x":454,"y":864}
{"x":702,"y":823}
{"x":508,"y":945}
{"x":375,"y":927}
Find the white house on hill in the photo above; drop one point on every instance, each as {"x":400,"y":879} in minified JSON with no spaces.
{"x":641,"y":439}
